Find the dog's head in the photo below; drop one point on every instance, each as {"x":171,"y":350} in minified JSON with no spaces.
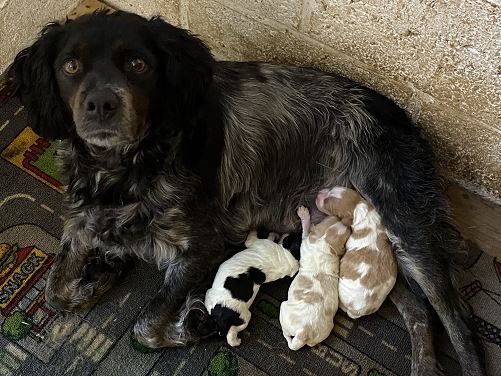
{"x":106,"y":78}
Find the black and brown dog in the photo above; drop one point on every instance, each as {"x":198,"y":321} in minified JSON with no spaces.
{"x":170,"y":154}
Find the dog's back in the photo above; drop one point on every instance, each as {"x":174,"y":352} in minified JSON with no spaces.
{"x":368,"y":269}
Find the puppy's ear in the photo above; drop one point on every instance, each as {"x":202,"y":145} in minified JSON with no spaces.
{"x":347,"y":221}
{"x":187,"y":65}
{"x":34,"y":81}
{"x":359,"y":213}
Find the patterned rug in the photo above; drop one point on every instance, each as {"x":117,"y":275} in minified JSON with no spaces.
{"x":35,"y":340}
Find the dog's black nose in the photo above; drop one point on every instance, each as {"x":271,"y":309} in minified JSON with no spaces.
{"x":102,"y":104}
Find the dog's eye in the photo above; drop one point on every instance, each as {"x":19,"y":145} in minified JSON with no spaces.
{"x":138,"y":65}
{"x":71,"y":66}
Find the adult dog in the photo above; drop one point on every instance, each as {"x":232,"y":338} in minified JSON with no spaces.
{"x":170,"y":154}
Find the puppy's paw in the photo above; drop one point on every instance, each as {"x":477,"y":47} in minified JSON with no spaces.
{"x":234,"y":342}
{"x":303,"y":213}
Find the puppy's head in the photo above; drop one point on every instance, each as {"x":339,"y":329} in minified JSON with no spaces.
{"x":292,"y":242}
{"x":225,"y":318}
{"x":109,"y":78}
{"x":339,"y":201}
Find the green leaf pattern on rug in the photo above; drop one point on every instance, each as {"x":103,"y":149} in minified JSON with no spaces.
{"x":17,"y":325}
{"x":47,"y":161}
{"x":223,"y":363}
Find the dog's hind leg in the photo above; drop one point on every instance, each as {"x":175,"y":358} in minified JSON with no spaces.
{"x":427,"y":248}
{"x":395,"y":171}
{"x":426,"y":255}
{"x":418,"y":322}
{"x":453,"y":312}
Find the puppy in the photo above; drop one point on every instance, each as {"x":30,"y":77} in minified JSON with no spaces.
{"x":307,"y":317}
{"x":238,"y":280}
{"x":368,"y":270}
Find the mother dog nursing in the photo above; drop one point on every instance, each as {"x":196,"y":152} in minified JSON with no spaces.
{"x":170,"y":155}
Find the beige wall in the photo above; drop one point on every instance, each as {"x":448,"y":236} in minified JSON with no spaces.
{"x":439,"y":59}
{"x":21,"y":20}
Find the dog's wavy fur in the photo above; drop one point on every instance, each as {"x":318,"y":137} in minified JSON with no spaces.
{"x":229,"y":147}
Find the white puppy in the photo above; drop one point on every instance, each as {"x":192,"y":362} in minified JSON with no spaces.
{"x":368,"y":270}
{"x":307,"y":317}
{"x":238,"y":280}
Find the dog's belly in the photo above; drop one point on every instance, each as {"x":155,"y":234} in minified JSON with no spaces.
{"x":288,"y":226}
{"x":278,"y":216}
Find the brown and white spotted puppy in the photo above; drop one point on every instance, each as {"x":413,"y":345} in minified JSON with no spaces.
{"x":368,"y":270}
{"x":307,"y":317}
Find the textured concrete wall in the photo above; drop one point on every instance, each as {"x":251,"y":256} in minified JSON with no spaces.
{"x":439,"y":59}
{"x":21,"y":20}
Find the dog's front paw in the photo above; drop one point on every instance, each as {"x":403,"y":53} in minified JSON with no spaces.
{"x":66,"y":293}
{"x":150,"y":333}
{"x":191,"y":324}
{"x":70,"y":295}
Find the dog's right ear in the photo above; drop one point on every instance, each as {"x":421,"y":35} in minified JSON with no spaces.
{"x":187,"y":66}
{"x":33,"y":80}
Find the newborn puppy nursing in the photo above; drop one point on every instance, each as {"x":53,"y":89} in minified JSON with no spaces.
{"x":307,"y":317}
{"x":368,"y":270}
{"x":238,"y":280}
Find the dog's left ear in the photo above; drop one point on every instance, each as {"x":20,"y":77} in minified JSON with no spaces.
{"x":187,"y":64}
{"x":34,"y":81}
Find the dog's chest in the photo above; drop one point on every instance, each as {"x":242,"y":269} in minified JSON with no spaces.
{"x":140,"y":228}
